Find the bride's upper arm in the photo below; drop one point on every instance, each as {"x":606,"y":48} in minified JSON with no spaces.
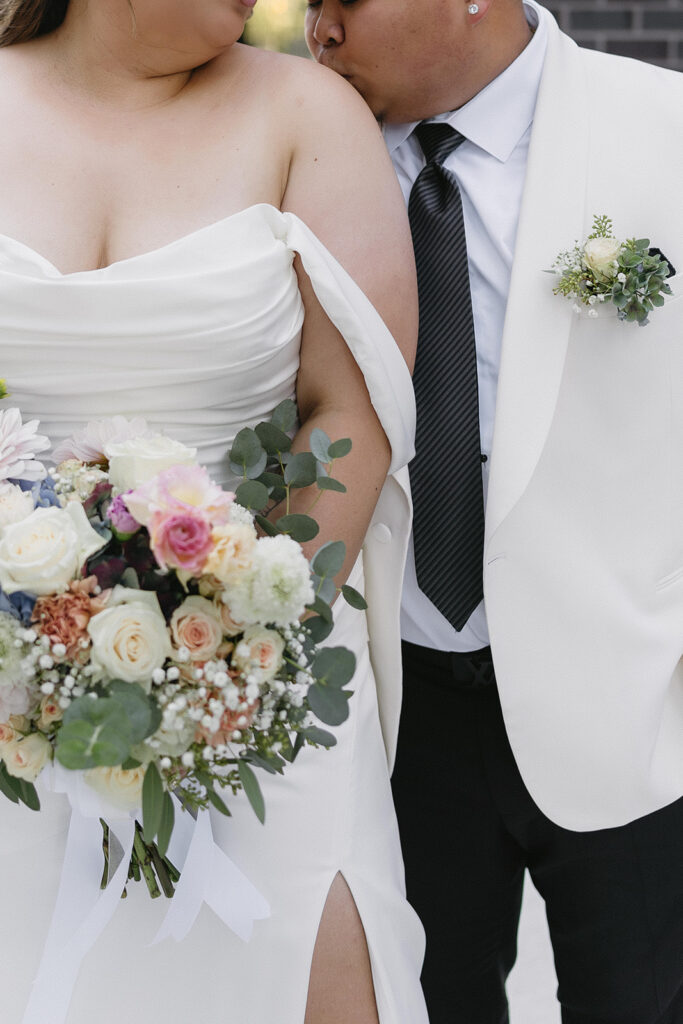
{"x":342,"y":185}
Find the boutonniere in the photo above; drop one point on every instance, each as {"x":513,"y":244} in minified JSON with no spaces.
{"x":630,"y":275}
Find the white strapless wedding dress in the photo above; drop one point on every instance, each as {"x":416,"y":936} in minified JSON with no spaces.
{"x":202,"y":337}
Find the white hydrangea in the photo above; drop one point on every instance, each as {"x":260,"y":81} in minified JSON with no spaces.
{"x":277,"y":588}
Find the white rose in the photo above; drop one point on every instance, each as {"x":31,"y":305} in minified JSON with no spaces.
{"x":25,"y":758}
{"x":600,"y":255}
{"x":259,"y":653}
{"x":130,"y":638}
{"x":133,"y":462}
{"x":15,"y":504}
{"x":46,"y":550}
{"x":119,"y":787}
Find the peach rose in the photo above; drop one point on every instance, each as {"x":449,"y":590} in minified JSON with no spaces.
{"x":196,"y":625}
{"x":230,"y":626}
{"x":259,"y":653}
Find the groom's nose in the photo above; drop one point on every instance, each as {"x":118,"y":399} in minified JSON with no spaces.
{"x":324,"y":27}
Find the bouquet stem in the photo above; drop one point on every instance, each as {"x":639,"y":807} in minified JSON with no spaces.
{"x":159,"y":873}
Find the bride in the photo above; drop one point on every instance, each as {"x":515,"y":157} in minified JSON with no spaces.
{"x":193,"y":230}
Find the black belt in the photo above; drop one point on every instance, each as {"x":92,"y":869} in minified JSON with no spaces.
{"x":468,"y":670}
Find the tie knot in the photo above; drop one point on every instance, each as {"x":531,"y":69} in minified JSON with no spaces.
{"x":438,"y":140}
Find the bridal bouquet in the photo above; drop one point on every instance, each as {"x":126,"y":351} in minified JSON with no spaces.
{"x":150,"y":639}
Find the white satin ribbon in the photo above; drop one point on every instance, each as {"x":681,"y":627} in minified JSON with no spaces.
{"x":83,"y":910}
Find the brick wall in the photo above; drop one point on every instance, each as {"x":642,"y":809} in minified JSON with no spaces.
{"x":651,"y":30}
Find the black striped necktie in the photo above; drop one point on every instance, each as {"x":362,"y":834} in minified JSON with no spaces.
{"x":446,"y":473}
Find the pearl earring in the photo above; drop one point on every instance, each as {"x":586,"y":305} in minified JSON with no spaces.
{"x":473,"y":9}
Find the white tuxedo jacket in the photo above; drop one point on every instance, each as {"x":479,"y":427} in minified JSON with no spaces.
{"x":583,"y":568}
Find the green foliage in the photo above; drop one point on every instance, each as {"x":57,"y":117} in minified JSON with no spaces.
{"x":635,"y":284}
{"x":100,"y":731}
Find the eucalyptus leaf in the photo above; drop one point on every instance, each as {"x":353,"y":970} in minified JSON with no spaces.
{"x":268,"y":528}
{"x":325,"y":588}
{"x":143,"y":713}
{"x":301,"y":470}
{"x":285,"y":415}
{"x":321,"y":608}
{"x":338,"y":449}
{"x":94,"y":733}
{"x":273,"y":439}
{"x":320,"y":444}
{"x":252,"y":789}
{"x":334,"y":666}
{"x":330,"y":705}
{"x":272,"y":764}
{"x":247,"y":450}
{"x":252,"y":494}
{"x":319,"y":736}
{"x":353,"y":598}
{"x":300,"y":527}
{"x":152,"y":802}
{"x":326,"y":483}
{"x":319,"y":629}
{"x":329,"y":559}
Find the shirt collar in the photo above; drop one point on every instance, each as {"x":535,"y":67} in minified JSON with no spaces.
{"x":498,"y":116}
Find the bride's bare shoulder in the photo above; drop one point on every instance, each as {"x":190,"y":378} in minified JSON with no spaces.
{"x":304,"y":94}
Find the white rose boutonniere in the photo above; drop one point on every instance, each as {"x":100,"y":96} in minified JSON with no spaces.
{"x":630,"y":275}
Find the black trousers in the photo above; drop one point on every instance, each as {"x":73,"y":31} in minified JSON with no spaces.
{"x":614,"y":898}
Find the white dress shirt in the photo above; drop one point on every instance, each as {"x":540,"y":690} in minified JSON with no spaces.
{"x":490,"y":168}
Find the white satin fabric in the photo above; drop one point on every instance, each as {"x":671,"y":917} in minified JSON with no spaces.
{"x":202,"y":337}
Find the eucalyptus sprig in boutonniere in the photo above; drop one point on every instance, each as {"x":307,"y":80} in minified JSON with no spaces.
{"x":630,"y":275}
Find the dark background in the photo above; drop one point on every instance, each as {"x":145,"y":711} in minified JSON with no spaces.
{"x":650,"y":30}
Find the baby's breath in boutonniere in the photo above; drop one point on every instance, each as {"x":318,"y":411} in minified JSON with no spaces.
{"x":630,"y":275}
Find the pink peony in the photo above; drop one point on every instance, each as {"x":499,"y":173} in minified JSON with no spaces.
{"x":181,"y":540}
{"x":90,"y":444}
{"x":180,"y":489}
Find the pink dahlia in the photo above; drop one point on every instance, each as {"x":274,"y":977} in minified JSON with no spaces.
{"x":19,"y":445}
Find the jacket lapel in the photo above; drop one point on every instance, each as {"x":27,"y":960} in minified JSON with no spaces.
{"x":538,"y":323}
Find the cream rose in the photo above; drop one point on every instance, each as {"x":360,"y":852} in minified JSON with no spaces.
{"x":26,"y":757}
{"x":600,"y":256}
{"x":50,"y":712}
{"x":46,"y":551}
{"x":233,"y":551}
{"x":15,"y":504}
{"x":259,"y":653}
{"x":130,"y":637}
{"x":196,"y":625}
{"x":133,"y":462}
{"x":8,"y":733}
{"x":119,"y":787}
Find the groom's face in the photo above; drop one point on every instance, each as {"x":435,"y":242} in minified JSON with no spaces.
{"x":396,"y":53}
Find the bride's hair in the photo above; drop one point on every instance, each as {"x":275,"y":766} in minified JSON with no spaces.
{"x":23,"y":19}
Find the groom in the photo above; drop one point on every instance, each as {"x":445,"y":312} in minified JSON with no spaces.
{"x":579,"y":777}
